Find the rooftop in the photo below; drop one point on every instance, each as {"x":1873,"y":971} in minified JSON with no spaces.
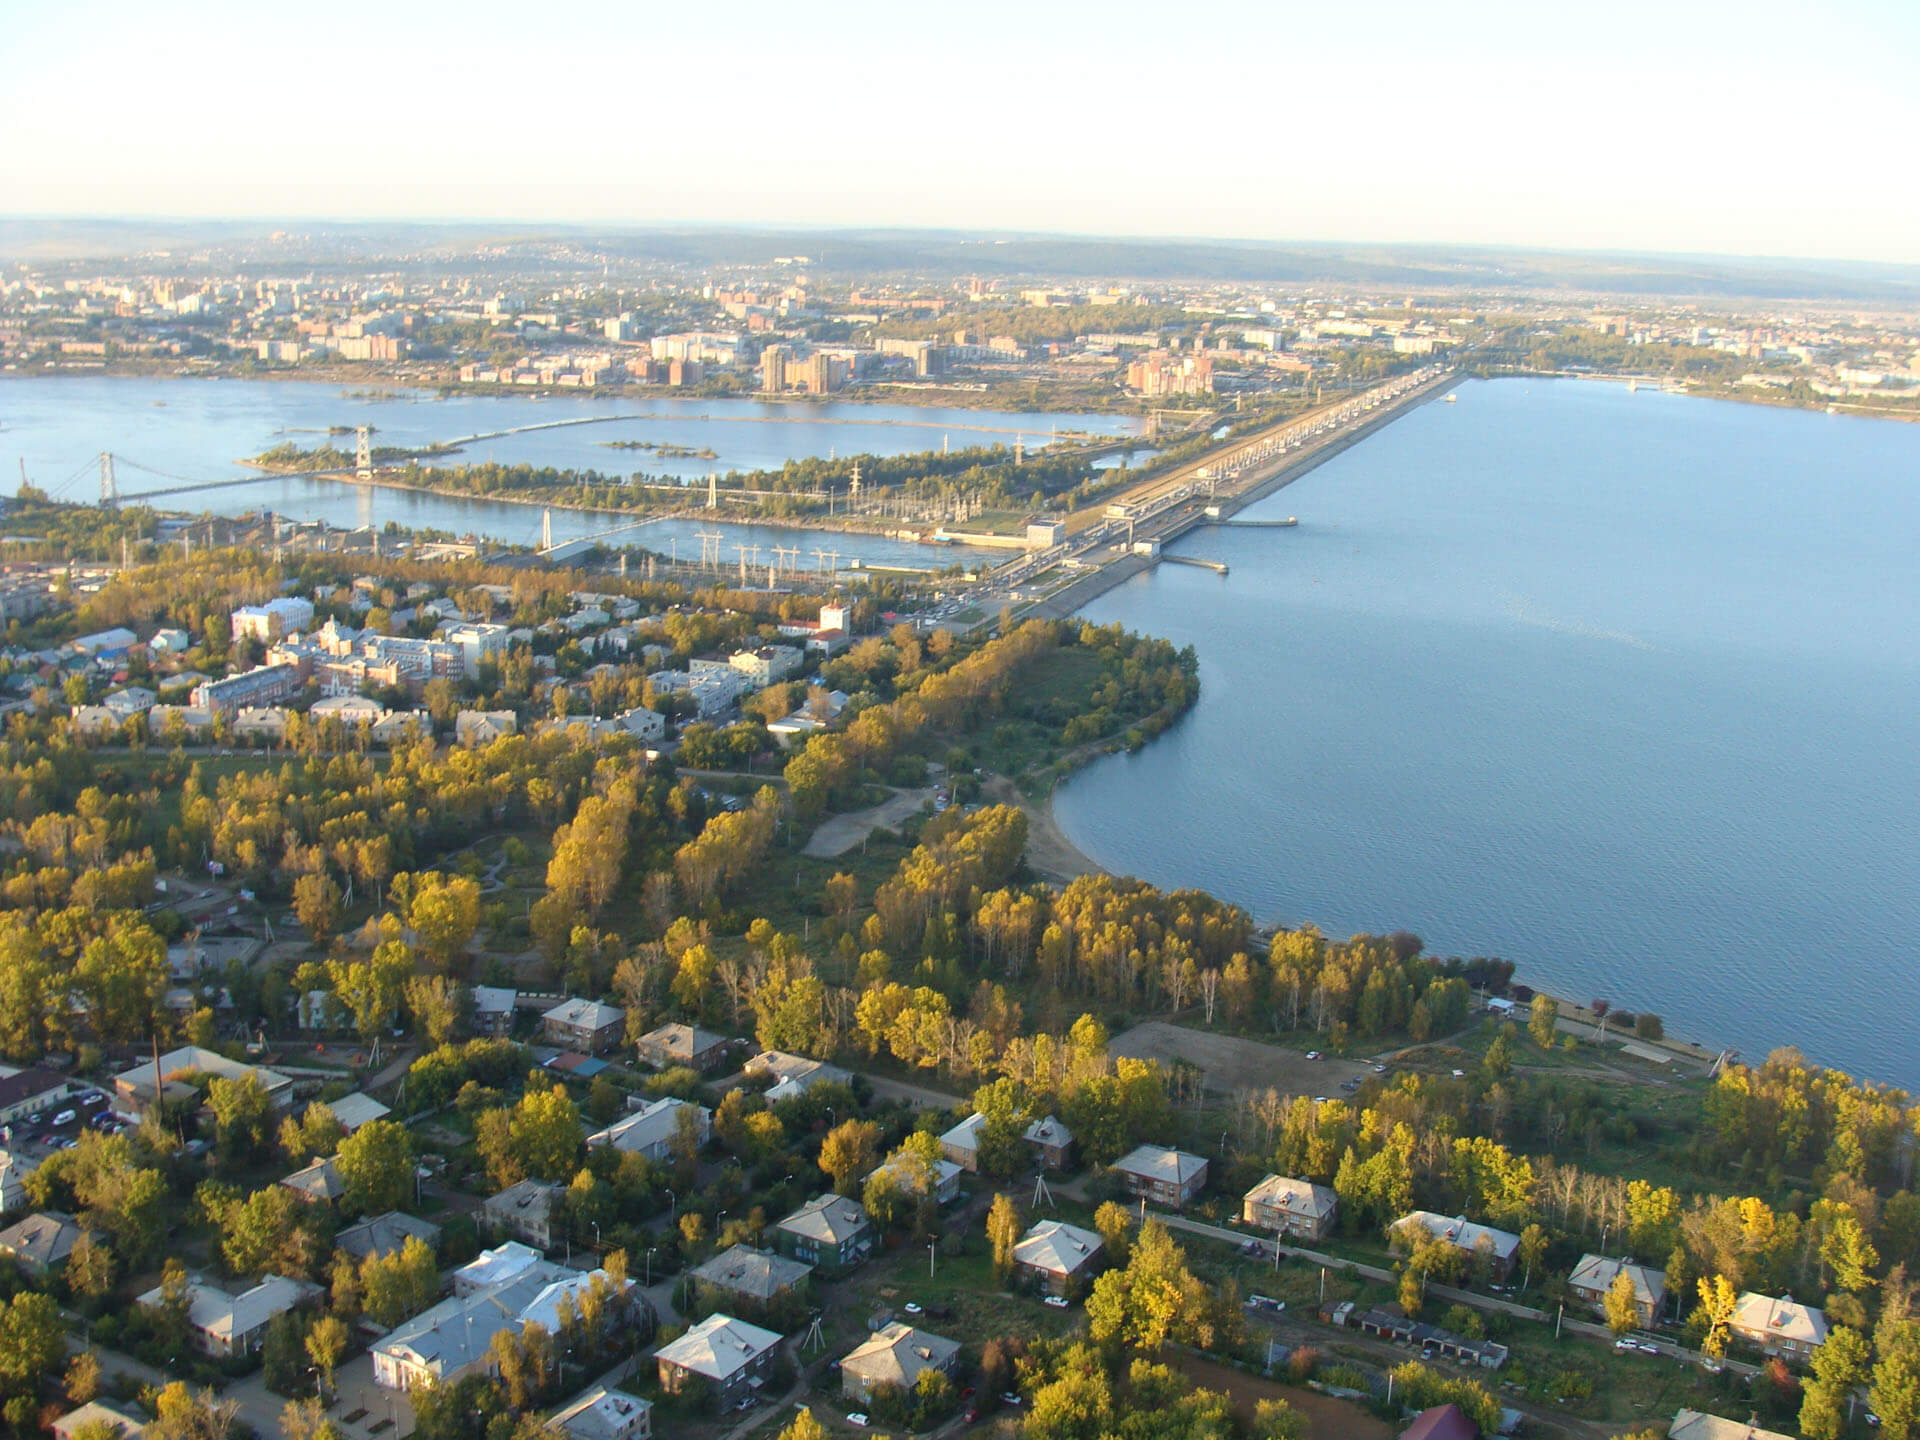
{"x":719,"y":1347}
{"x":1057,"y":1247}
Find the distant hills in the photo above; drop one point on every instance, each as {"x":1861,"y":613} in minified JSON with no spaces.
{"x":940,"y":254}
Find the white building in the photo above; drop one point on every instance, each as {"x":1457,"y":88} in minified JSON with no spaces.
{"x":603,"y":1414}
{"x":732,"y":1356}
{"x":283,"y":615}
{"x":650,"y":1130}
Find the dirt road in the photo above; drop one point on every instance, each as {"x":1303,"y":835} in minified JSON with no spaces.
{"x":840,"y":833}
{"x":1231,"y":1064}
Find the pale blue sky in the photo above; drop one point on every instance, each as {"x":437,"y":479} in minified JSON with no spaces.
{"x":1694,"y":125}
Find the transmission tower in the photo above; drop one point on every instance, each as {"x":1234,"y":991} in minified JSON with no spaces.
{"x":1042,"y":1192}
{"x":789,"y":553}
{"x":546,"y":531}
{"x":709,"y":546}
{"x":853,"y":492}
{"x":713,"y":491}
{"x":363,"y":452}
{"x":109,"y":487}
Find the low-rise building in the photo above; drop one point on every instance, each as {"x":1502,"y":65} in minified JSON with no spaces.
{"x":137,"y":1086}
{"x":793,"y":1074}
{"x":526,"y":1210}
{"x":829,"y":1231}
{"x":493,"y":1268}
{"x":386,"y":1234}
{"x":493,"y":1007}
{"x":357,"y":1109}
{"x":913,"y":1176}
{"x":1593,"y":1278}
{"x":1058,"y":1255}
{"x":1697,"y":1425}
{"x":768,"y":665}
{"x":260,"y":686}
{"x":1781,"y":1327}
{"x":1051,"y":1143}
{"x":318,"y":1182}
{"x":896,"y":1355}
{"x":1441,"y":1422}
{"x":98,"y":1417}
{"x":1476,"y":1242}
{"x":651,"y":1129}
{"x":483,"y":727}
{"x":603,"y":1414}
{"x":961,"y":1144}
{"x":758,"y":1276}
{"x":731,"y":1356}
{"x":1291,"y":1207}
{"x":40,"y":1243}
{"x":224,"y":1325}
{"x":26,"y":1091}
{"x":1170,"y":1178}
{"x":588,"y":1026}
{"x":676,"y":1044}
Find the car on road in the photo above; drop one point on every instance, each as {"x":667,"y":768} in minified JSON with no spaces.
{"x":855,"y":1417}
{"x":1313,"y":1054}
{"x":1251,"y":1247}
{"x":1379,"y":1069}
{"x":1058,"y":1302}
{"x":1625,"y":1346}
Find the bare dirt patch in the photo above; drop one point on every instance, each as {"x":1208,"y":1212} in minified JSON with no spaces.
{"x":840,"y":833}
{"x":1327,"y":1417}
{"x":1232,"y":1064}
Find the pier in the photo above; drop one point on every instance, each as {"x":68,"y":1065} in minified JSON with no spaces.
{"x":1219,"y":567}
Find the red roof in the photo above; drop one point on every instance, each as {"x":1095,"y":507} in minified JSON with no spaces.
{"x":1442,"y":1422}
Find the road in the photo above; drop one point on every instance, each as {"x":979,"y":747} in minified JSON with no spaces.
{"x":1444,"y":1292}
{"x":838,"y":834}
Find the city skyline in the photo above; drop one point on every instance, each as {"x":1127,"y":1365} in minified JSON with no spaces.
{"x":1701,"y":129}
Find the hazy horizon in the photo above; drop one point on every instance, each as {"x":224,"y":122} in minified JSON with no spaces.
{"x":1706,"y":129}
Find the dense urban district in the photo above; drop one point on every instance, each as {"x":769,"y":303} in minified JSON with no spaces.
{"x":480,"y":993}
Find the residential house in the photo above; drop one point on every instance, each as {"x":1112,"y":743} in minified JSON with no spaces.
{"x":318,"y":1183}
{"x":525,"y":1210}
{"x":829,"y":1231}
{"x":1051,"y":1142}
{"x":385,"y":1235}
{"x":1442,"y":1422}
{"x":40,"y":1243}
{"x":493,"y":1007}
{"x":733,"y":1357}
{"x":650,"y":1130}
{"x":355,"y":1110}
{"x":1057,"y":1255}
{"x":768,"y":664}
{"x":961,"y":1144}
{"x":1498,"y":1247}
{"x":794,"y":1074}
{"x":1594,"y":1277}
{"x":757,"y":1276}
{"x":90,"y":1417}
{"x":483,"y":727}
{"x":349,"y":710}
{"x":1167,"y":1177}
{"x":1696,"y":1425}
{"x":672,"y":1045}
{"x":224,"y":1325}
{"x":603,"y":1414}
{"x":1781,"y":1327}
{"x":15,"y":1166}
{"x":1291,"y":1207}
{"x":914,"y":1177}
{"x":588,"y":1026}
{"x":896,"y":1355}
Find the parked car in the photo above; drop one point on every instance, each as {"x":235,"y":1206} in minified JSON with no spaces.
{"x":1058,"y":1302}
{"x":1010,"y":1397}
{"x":855,"y":1417}
{"x":912,"y":1309}
{"x":1313,"y":1054}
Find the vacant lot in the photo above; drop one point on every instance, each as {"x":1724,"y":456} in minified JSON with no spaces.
{"x":1327,"y":1417}
{"x":1232,"y":1064}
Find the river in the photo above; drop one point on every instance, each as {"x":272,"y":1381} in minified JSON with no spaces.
{"x":1624,"y":688}
{"x":163,"y":432}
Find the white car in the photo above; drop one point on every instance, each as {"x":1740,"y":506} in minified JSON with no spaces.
{"x":855,"y":1417}
{"x":65,"y":1117}
{"x":1313,"y":1054}
{"x":911,"y":1308}
{"x":1058,"y":1302}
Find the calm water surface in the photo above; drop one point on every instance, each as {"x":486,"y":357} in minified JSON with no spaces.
{"x":1622,"y":687}
{"x":166,"y":431}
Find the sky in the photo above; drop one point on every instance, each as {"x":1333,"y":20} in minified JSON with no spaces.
{"x":1751,"y":128}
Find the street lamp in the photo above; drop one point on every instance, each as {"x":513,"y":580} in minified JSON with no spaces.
{"x":650,"y":1267}
{"x":930,"y":1245}
{"x":673,"y":1205}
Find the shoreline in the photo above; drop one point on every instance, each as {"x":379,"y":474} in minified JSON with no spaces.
{"x":637,"y":518}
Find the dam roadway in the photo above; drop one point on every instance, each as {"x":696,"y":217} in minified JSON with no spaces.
{"x":1207,"y":491}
